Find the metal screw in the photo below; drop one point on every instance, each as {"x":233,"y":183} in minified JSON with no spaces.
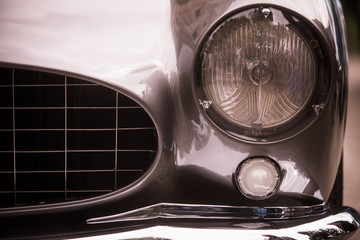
{"x":205,"y":104}
{"x":266,"y":12}
{"x":318,"y":108}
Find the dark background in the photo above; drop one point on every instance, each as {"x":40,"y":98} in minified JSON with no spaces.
{"x":352,"y":18}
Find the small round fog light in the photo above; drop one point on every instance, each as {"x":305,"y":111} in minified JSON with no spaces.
{"x":258,"y":178}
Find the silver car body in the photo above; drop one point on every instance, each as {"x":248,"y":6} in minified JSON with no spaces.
{"x":147,"y":50}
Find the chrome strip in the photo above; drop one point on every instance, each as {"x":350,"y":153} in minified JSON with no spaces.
{"x":338,"y":225}
{"x":14,"y":131}
{"x":65,"y":138}
{"x":173,"y":210}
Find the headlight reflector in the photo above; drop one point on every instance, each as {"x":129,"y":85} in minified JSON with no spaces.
{"x":259,"y":70}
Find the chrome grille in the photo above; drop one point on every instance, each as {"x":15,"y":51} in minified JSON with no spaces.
{"x":63,"y":138}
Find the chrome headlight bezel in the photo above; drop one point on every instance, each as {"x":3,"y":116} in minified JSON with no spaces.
{"x":311,"y":109}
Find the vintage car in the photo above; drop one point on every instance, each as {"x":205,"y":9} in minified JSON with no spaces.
{"x":181,"y":119}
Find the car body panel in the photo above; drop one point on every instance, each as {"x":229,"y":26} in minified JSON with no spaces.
{"x":147,"y":50}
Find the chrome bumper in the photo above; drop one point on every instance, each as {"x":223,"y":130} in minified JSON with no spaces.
{"x":339,"y":225}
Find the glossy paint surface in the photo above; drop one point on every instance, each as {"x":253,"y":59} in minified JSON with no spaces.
{"x":147,"y":49}
{"x":106,"y":41}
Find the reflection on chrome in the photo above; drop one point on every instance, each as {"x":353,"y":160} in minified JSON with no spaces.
{"x":340,"y":224}
{"x":173,"y":210}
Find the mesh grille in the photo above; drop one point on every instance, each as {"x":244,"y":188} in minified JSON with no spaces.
{"x":65,"y":139}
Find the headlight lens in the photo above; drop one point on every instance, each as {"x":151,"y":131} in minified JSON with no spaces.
{"x":257,"y":71}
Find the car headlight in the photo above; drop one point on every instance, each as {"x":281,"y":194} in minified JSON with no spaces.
{"x":258,"y":71}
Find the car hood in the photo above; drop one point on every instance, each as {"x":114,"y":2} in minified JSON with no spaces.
{"x":103,"y":40}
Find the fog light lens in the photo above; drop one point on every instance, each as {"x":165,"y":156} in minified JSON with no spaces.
{"x":258,"y":178}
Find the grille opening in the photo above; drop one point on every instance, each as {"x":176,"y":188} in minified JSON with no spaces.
{"x":65,"y":139}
